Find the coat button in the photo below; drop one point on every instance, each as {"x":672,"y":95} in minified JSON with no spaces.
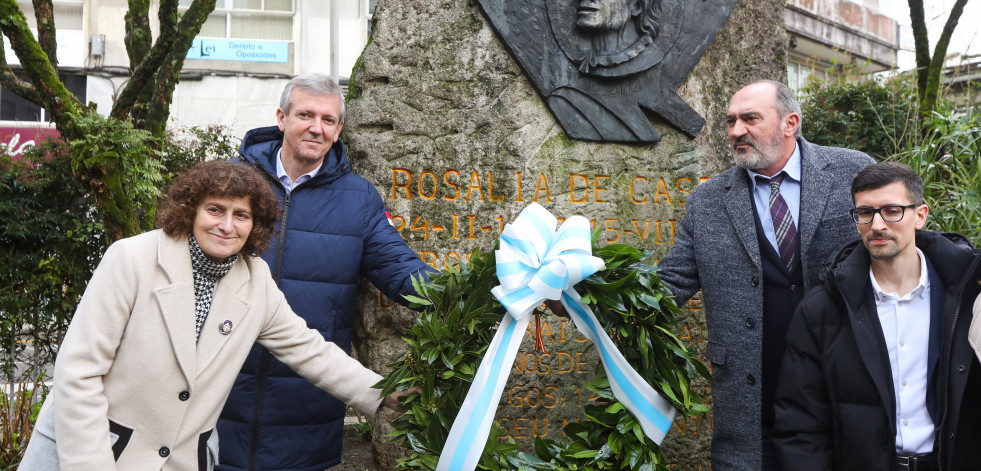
{"x":184,"y":395}
{"x":755,"y":281}
{"x":793,"y":288}
{"x":750,"y":380}
{"x":164,"y":452}
{"x":750,"y":322}
{"x":960,"y":368}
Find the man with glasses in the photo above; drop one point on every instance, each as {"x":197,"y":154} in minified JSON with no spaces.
{"x":862,"y":381}
{"x":754,"y":238}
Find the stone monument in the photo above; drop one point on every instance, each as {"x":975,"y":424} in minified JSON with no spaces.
{"x":458,"y":138}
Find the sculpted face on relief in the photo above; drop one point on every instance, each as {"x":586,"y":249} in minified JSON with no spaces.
{"x":604,"y":66}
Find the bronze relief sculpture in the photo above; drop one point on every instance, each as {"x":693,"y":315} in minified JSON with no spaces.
{"x":603,"y":65}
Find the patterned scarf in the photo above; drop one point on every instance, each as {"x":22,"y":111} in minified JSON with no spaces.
{"x":206,"y":276}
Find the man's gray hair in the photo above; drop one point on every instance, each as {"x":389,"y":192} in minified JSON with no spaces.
{"x":786,"y":101}
{"x":317,"y":84}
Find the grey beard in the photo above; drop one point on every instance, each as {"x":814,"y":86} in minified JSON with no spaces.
{"x":754,"y":160}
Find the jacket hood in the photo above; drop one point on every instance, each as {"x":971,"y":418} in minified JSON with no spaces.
{"x":260,"y":147}
{"x":949,"y":252}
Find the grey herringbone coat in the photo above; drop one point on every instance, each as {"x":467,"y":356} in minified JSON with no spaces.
{"x":716,"y":250}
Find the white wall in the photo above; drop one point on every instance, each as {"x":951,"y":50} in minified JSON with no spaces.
{"x":242,"y":103}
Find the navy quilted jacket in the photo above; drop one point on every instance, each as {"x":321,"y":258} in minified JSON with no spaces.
{"x":333,"y":230}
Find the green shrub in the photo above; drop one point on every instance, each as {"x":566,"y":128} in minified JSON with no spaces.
{"x":19,"y":405}
{"x":880,"y":118}
{"x":51,"y":238}
{"x":185,"y":147}
{"x":948,"y":159}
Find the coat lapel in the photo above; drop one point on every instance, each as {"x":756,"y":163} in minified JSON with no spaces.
{"x":816,"y":182}
{"x":228,"y":308}
{"x":176,"y":301}
{"x":739,"y":206}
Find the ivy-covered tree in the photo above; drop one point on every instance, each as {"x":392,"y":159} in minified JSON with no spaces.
{"x":114,"y":158}
{"x":930,"y":68}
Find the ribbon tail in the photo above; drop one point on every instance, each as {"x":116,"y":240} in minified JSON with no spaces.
{"x":468,"y":435}
{"x":654,"y":413}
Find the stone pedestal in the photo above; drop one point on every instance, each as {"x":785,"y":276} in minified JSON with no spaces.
{"x":443,"y":121}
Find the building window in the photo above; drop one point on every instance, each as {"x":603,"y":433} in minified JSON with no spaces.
{"x":248,"y":19}
{"x":802,"y":70}
{"x":67,"y":13}
{"x":15,"y":108}
{"x":371,"y":14}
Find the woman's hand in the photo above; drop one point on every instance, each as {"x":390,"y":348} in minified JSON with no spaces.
{"x":392,"y":400}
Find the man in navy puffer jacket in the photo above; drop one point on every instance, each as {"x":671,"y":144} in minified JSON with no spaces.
{"x":333,"y":230}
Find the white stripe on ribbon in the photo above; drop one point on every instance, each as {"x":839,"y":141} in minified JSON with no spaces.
{"x":654,"y":413}
{"x":536,"y":263}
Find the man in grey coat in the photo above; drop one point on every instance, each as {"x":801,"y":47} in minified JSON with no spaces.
{"x":753,"y":240}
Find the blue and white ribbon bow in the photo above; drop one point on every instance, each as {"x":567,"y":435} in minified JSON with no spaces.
{"x":536,"y":263}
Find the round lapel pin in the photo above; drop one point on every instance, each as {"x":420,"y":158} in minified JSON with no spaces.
{"x":225,"y":327}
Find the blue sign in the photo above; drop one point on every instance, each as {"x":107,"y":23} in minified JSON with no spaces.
{"x":243,"y":50}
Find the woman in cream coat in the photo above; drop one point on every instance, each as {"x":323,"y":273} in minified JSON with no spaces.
{"x":164,"y":326}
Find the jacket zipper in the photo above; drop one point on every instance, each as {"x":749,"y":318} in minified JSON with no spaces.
{"x":264,"y":358}
{"x":947,"y":380}
{"x":281,"y":240}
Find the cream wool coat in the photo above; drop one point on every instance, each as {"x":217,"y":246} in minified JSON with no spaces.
{"x":974,"y":332}
{"x":129,"y":362}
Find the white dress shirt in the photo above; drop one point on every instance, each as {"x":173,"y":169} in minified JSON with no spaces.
{"x":284,"y":179}
{"x":789,"y":189}
{"x":906,"y":328}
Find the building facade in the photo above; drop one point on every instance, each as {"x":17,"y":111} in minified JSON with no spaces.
{"x":828,"y":37}
{"x":234,"y":71}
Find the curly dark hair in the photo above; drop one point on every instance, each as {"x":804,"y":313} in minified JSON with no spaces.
{"x":221,"y":179}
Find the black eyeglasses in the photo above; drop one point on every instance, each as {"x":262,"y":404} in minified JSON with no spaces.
{"x":889,"y":213}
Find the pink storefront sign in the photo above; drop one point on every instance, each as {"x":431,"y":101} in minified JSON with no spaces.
{"x":15,"y":140}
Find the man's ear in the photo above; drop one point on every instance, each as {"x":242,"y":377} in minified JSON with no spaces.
{"x":922,"y":211}
{"x":281,"y":119}
{"x":792,"y":122}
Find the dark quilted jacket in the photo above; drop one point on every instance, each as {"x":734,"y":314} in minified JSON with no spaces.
{"x":336,"y":230}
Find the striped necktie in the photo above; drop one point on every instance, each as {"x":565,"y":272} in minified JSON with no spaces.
{"x":783,"y":223}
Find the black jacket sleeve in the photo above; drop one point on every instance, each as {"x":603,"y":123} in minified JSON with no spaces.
{"x":803,"y":428}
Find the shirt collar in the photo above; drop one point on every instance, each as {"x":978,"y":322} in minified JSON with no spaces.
{"x":791,"y":168}
{"x":281,"y":171}
{"x":922,"y":284}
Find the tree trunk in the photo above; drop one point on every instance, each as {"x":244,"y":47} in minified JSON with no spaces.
{"x":931,"y":94}
{"x":139,"y":38}
{"x":157,"y":75}
{"x":929,"y":70}
{"x":41,"y":73}
{"x":145,"y":101}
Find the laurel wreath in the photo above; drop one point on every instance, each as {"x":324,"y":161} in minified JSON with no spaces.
{"x":448,"y":340}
